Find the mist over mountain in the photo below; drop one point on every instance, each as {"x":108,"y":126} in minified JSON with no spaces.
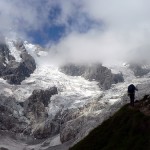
{"x":101,"y":31}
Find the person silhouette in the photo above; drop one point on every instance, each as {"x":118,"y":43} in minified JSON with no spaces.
{"x":131,"y":93}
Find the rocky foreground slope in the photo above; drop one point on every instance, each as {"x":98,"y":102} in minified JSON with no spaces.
{"x":129,"y":128}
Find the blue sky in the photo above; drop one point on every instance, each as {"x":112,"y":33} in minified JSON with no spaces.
{"x":53,"y":32}
{"x":47,"y":34}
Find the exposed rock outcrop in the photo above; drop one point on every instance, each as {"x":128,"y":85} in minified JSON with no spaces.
{"x":12,"y":117}
{"x":12,"y":70}
{"x":96,"y":72}
{"x":36,"y":112}
{"x":128,"y":125}
{"x":139,"y":70}
{"x":70,"y":129}
{"x":46,"y":129}
{"x":30,"y":117}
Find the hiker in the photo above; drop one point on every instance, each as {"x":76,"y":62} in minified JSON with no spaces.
{"x":131,"y":93}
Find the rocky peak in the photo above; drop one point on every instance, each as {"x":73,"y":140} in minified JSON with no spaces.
{"x":96,"y":72}
{"x":15,"y":62}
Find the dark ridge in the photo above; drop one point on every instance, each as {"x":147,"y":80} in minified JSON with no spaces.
{"x":128,"y":129}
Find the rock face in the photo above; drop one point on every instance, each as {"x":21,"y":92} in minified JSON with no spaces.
{"x":11,"y":117}
{"x":70,"y":129}
{"x":135,"y":122}
{"x":15,"y":62}
{"x":96,"y":72}
{"x":30,"y":117}
{"x":42,"y":96}
{"x":35,"y":111}
{"x":3,"y":148}
{"x":138,"y":70}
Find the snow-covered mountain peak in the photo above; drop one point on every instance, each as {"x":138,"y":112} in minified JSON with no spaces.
{"x":35,"y":49}
{"x":15,"y":62}
{"x":16,"y":45}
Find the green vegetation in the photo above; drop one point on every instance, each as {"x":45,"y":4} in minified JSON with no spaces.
{"x":128,"y":129}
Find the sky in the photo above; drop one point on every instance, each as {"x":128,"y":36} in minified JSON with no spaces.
{"x":82,"y":30}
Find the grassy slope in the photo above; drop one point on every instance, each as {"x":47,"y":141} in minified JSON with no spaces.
{"x":128,"y":129}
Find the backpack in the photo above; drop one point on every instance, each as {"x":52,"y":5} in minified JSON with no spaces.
{"x":131,"y":88}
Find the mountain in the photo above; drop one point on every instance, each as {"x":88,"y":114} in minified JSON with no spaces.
{"x":46,"y":106}
{"x":97,"y":72}
{"x":129,"y":128}
{"x":15,"y":62}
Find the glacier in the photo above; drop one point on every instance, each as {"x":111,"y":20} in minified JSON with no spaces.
{"x":80,"y":103}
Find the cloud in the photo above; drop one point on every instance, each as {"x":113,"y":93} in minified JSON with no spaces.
{"x":22,"y":16}
{"x":95,"y":30}
{"x":122,"y":33}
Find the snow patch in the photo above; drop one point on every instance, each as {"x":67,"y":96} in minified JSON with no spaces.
{"x":31,"y":49}
{"x":6,"y":61}
{"x":13,"y":51}
{"x":42,"y":53}
{"x":36,"y":53}
{"x":56,"y":141}
{"x":3,"y":81}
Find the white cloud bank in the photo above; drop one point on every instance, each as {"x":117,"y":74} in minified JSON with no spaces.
{"x":125,"y":35}
{"x":123,"y":32}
